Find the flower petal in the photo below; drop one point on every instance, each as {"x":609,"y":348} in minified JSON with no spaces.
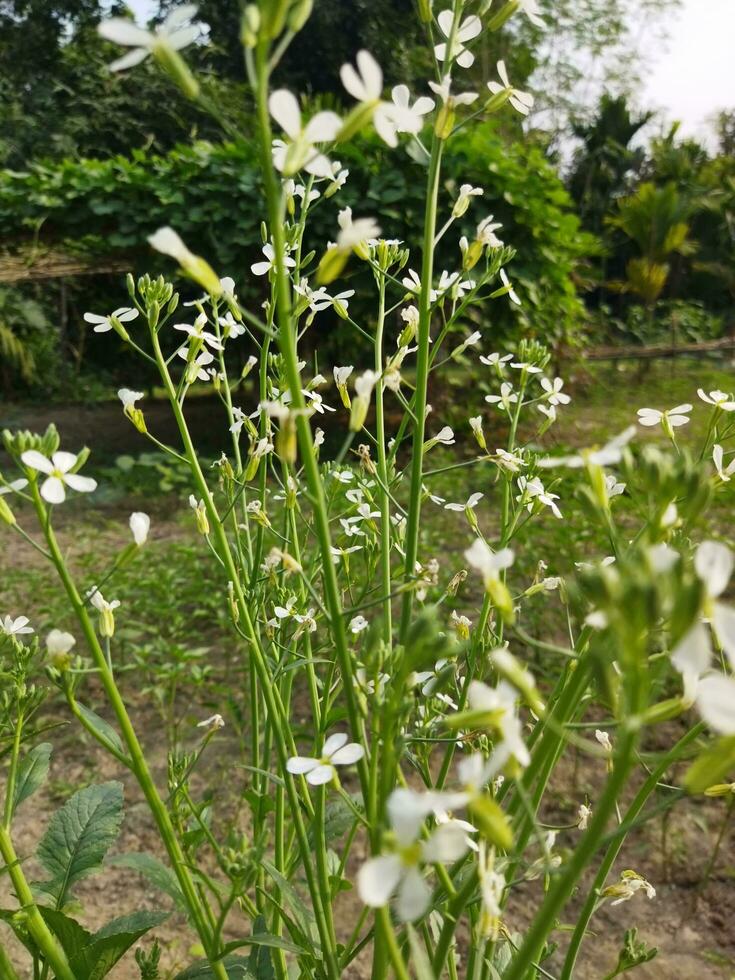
{"x":63,"y":461}
{"x":414,"y":896}
{"x":284,"y":108}
{"x":52,"y":490}
{"x":348,"y":755}
{"x":323,"y":127}
{"x":333,"y":743}
{"x":320,"y":775}
{"x":724,"y":623}
{"x":120,"y":30}
{"x":713,"y":563}
{"x":298,"y":765}
{"x":377,"y":879}
{"x":36,"y":461}
{"x":447,"y":843}
{"x":129,"y":60}
{"x":82,"y":484}
{"x":716,"y":702}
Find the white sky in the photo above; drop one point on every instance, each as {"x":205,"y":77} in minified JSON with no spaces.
{"x":693,"y":75}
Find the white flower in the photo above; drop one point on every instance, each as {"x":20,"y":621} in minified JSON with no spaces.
{"x":171,"y":34}
{"x":532,"y":490}
{"x":409,"y":118}
{"x":140,"y":525}
{"x":604,"y":739}
{"x":495,"y":360}
{"x":505,"y":399}
{"x":500,"y":704}
{"x":469,"y":504}
{"x":59,"y":643}
{"x":532,"y":10}
{"x":15,"y":627}
{"x":299,"y":153}
{"x":614,"y":489}
{"x":366,"y":85}
{"x":511,"y":462}
{"x":466,"y":191}
{"x":715,"y":697}
{"x":489,"y":564}
{"x":674,"y":416}
{"x":629,"y":885}
{"x":467,"y":30}
{"x":129,"y":398}
{"x":354,"y":233}
{"x":104,"y":323}
{"x":443,"y":90}
{"x":608,"y":455}
{"x":511,"y":293}
{"x":583,"y":815}
{"x":263,"y":268}
{"x":58,"y":475}
{"x":399,"y":873}
{"x":485,"y":233}
{"x":554,"y":392}
{"x":105,"y":609}
{"x":335,"y":753}
{"x":358,"y":623}
{"x":212,"y":723}
{"x":197,"y":332}
{"x":521,"y":101}
{"x":717,"y":459}
{"x":720,"y":399}
{"x":317,"y":403}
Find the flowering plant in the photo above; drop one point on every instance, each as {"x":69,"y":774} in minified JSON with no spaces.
{"x":432,"y":746}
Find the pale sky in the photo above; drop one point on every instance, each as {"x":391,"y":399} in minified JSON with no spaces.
{"x":693,"y":75}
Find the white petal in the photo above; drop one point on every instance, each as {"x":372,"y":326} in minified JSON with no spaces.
{"x":371,"y":73}
{"x":319,"y":166}
{"x":284,"y":108}
{"x":323,"y":127}
{"x":414,"y":896}
{"x":120,"y":30}
{"x":180,"y":39}
{"x":52,"y":490}
{"x":713,"y":563}
{"x":503,"y":74}
{"x":299,"y":764}
{"x":333,"y":743}
{"x":377,"y":879}
{"x":352,"y":82}
{"x":693,"y":654}
{"x":179,"y":16}
{"x":423,"y":104}
{"x":470,"y":28}
{"x":125,"y":315}
{"x":94,"y":318}
{"x":63,"y":461}
{"x":36,"y":461}
{"x":348,"y":755}
{"x":401,"y":95}
{"x":320,"y":775}
{"x":82,"y":484}
{"x":129,"y":60}
{"x":260,"y":268}
{"x":716,"y":702}
{"x":447,"y":843}
{"x":465,"y":59}
{"x":406,"y":812}
{"x":724,"y":623}
{"x":444,"y":20}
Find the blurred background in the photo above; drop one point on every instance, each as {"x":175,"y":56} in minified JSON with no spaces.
{"x":618,"y":191}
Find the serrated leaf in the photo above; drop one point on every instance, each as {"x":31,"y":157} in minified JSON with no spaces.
{"x":155,"y":871}
{"x":712,"y":766}
{"x":78,"y":837}
{"x":102,"y":727}
{"x":32,"y":773}
{"x":110,"y":944}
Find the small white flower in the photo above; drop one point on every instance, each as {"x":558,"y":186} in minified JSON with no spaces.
{"x":521,"y":101}
{"x":614,"y":489}
{"x":59,"y":643}
{"x":212,"y":723}
{"x":495,"y":360}
{"x":409,"y":118}
{"x":532,"y":10}
{"x":675,"y":417}
{"x":489,"y":564}
{"x":629,"y":885}
{"x":336,"y":752}
{"x":171,"y":34}
{"x":500,"y":704}
{"x":129,"y":398}
{"x":58,"y":475}
{"x":263,"y":268}
{"x":443,"y":90}
{"x":140,"y":525}
{"x":512,"y":295}
{"x":366,"y":85}
{"x":197,"y":332}
{"x":604,"y":739}
{"x":467,"y":31}
{"x":358,"y":623}
{"x":399,"y":872}
{"x":724,"y":473}
{"x":469,"y":504}
{"x":15,"y":627}
{"x":720,"y":399}
{"x":608,"y":455}
{"x":485,"y":233}
{"x":354,"y":233}
{"x":299,"y":153}
{"x":554,"y":392}
{"x":466,"y":191}
{"x":583,"y":816}
{"x":102,"y":324}
{"x":505,"y":399}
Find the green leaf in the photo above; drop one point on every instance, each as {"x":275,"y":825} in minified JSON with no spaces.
{"x":155,"y":871}
{"x":712,"y":766}
{"x":32,"y":772}
{"x":102,"y":727}
{"x":260,"y":963}
{"x":110,"y":944}
{"x":71,"y":935}
{"x":78,"y":837}
{"x":236,"y":966}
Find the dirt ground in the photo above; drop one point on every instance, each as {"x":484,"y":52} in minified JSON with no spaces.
{"x":695,"y":933}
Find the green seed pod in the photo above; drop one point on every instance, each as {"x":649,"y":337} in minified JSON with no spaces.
{"x":299,"y":13}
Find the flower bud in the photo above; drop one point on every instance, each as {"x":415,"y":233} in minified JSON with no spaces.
{"x":6,"y":513}
{"x":444,"y":121}
{"x":299,"y":13}
{"x":250,"y":26}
